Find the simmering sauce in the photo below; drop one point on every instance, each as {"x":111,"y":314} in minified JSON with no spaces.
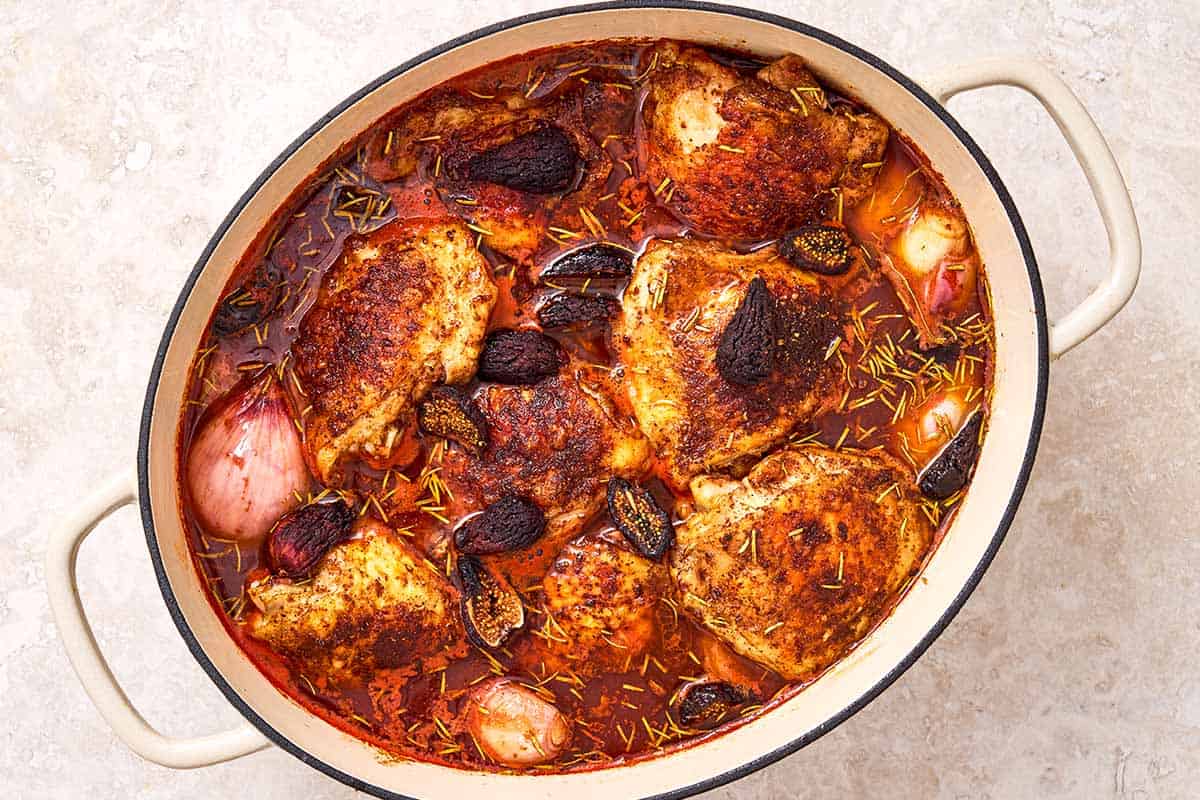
{"x":905,"y":396}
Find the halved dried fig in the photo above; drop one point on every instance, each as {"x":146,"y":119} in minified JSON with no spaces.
{"x":639,"y":517}
{"x":705,"y":704}
{"x":594,"y":261}
{"x":519,"y":357}
{"x":823,"y":249}
{"x":510,"y":523}
{"x":746,"y":351}
{"x":949,"y":470}
{"x":448,"y":415}
{"x":566,"y":310}
{"x":543,"y":161}
{"x":491,"y":608}
{"x":252,"y":303}
{"x":302,"y":538}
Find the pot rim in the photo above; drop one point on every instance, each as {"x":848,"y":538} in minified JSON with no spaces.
{"x":765,"y":759}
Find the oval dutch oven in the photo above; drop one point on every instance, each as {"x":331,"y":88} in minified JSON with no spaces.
{"x":1025,"y":345}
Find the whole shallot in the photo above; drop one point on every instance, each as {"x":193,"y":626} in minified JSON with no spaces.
{"x":246,"y":463}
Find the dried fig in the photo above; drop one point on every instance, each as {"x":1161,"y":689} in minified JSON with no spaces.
{"x":746,"y":351}
{"x":946,"y":354}
{"x":594,"y":261}
{"x":823,"y":249}
{"x":705,"y":704}
{"x":448,"y":415}
{"x":566,"y":310}
{"x":636,"y":514}
{"x":510,"y":523}
{"x":543,"y":161}
{"x":949,"y":470}
{"x":520,"y":357}
{"x":252,"y":303}
{"x":491,"y":609}
{"x":302,"y":538}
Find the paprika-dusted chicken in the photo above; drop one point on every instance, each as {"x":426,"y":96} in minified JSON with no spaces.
{"x":682,"y":297}
{"x":374,"y":602}
{"x":503,"y":161}
{"x":601,"y":598}
{"x":556,"y":443}
{"x":795,"y":563}
{"x":751,"y":156}
{"x":402,"y":309}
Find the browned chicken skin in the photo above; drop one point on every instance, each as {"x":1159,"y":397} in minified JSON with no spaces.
{"x":752,"y":156}
{"x":792,"y":565}
{"x":403,"y":308}
{"x":556,"y":443}
{"x":454,"y":133}
{"x":373,"y":603}
{"x":602,"y":599}
{"x":680,"y":299}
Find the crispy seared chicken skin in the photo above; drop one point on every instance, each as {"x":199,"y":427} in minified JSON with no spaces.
{"x":603,"y":600}
{"x":403,"y":308}
{"x":753,"y":155}
{"x":679,"y":301}
{"x":792,"y":565}
{"x":556,"y":443}
{"x":504,"y":163}
{"x":373,"y":603}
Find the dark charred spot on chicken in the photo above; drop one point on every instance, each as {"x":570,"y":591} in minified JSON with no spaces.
{"x":948,"y":472}
{"x":705,"y":704}
{"x":510,"y":523}
{"x":491,"y":609}
{"x":823,"y":249}
{"x":746,"y":350}
{"x":453,"y":417}
{"x":301,"y":538}
{"x":542,"y":161}
{"x":519,"y":357}
{"x":639,"y":518}
{"x":593,"y":261}
{"x":574,"y":310}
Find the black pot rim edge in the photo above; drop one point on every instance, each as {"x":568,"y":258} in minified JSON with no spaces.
{"x":810,"y":736}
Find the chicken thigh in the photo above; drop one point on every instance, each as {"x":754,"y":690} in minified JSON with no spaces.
{"x":753,"y":155}
{"x":681,"y":298}
{"x":374,"y":603}
{"x":795,"y":563}
{"x":602,"y":599}
{"x":403,"y":308}
{"x":504,"y":163}
{"x":556,"y":443}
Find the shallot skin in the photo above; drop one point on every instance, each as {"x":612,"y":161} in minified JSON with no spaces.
{"x":246,"y":465}
{"x":514,"y":726}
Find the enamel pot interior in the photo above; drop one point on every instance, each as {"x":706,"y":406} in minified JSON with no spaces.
{"x":950,"y":575}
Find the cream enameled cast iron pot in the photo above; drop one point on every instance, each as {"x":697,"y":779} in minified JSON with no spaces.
{"x":1025,"y":344}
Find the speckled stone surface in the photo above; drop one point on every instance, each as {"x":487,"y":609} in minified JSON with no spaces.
{"x":127,"y":129}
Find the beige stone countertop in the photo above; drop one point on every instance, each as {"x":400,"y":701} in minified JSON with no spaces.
{"x":129,"y":127}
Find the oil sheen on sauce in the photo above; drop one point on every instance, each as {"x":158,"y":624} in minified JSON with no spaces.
{"x":620,"y":716}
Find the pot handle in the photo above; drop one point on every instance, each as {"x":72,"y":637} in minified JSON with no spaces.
{"x":1103,"y":175}
{"x":93,"y":671}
